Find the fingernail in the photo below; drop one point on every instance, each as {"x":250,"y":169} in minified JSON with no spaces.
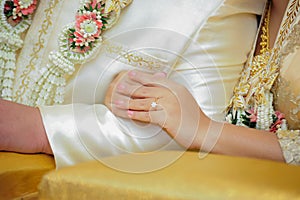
{"x":121,"y":86}
{"x":130,"y":113}
{"x":132,"y":73}
{"x":160,"y":74}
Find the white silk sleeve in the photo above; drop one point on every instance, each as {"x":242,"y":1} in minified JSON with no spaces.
{"x":80,"y":132}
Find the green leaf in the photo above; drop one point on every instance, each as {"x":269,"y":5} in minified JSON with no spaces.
{"x":73,"y":45}
{"x":252,"y":124}
{"x":234,"y":121}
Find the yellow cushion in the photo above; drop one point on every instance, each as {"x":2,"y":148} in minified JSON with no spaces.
{"x":21,"y":173}
{"x":214,"y":177}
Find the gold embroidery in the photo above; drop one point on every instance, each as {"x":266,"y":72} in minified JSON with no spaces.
{"x":264,"y":80}
{"x":135,"y":58}
{"x":37,"y":47}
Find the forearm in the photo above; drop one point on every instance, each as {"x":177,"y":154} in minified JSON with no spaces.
{"x":240,"y":141}
{"x":21,"y":129}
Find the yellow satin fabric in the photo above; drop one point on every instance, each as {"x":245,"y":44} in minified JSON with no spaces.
{"x":214,"y":177}
{"x":21,"y":173}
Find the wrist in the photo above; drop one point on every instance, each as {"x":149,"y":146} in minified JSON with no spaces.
{"x":208,"y":134}
{"x":202,"y":129}
{"x":41,"y":132}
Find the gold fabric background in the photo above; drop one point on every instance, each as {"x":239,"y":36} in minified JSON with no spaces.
{"x":21,"y":173}
{"x":214,"y":177}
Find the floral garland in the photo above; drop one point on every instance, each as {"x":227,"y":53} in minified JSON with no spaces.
{"x":15,"y":19}
{"x":78,"y":43}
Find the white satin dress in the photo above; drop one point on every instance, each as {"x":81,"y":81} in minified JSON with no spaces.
{"x":202,"y":44}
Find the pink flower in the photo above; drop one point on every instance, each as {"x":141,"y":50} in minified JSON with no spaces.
{"x":87,"y":28}
{"x":95,"y":5}
{"x":25,"y":11}
{"x":280,"y":117}
{"x":253,"y":118}
{"x":7,"y":7}
{"x":91,"y":17}
{"x":253,"y":115}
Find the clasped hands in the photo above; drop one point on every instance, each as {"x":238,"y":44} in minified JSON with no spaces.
{"x":152,"y":98}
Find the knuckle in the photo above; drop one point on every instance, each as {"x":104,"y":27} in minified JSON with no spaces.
{"x":143,"y":91}
{"x":147,"y":117}
{"x":142,"y":104}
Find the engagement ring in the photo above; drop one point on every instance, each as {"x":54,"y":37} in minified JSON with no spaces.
{"x":153,"y":104}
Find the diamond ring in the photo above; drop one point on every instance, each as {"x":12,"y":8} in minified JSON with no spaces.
{"x":153,"y":104}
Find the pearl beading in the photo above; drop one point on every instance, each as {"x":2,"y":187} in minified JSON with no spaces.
{"x":265,"y":112}
{"x":10,"y":42}
{"x":49,"y":88}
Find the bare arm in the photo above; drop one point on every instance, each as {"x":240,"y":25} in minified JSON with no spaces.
{"x":240,"y":141}
{"x":21,"y":129}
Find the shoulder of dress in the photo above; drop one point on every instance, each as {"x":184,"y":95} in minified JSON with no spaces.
{"x":233,"y":6}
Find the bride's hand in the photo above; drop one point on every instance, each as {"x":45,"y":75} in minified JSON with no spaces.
{"x":155,"y":99}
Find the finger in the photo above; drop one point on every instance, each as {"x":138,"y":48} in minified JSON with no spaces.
{"x":119,"y":101}
{"x":120,"y":79}
{"x":112,"y":87}
{"x":120,"y":112}
{"x":126,"y":88}
{"x":155,"y":117}
{"x":147,"y":104}
{"x":135,"y":91}
{"x":147,"y":78}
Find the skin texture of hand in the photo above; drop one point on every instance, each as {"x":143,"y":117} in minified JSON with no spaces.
{"x":131,"y":94}
{"x":21,"y":129}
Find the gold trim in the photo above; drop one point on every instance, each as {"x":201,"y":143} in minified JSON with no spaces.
{"x":135,"y":58}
